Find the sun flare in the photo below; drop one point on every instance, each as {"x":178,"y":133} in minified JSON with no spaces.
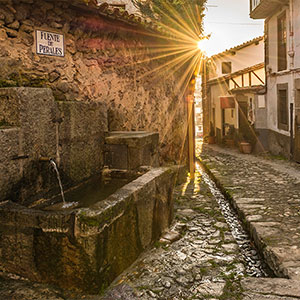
{"x":202,"y":45}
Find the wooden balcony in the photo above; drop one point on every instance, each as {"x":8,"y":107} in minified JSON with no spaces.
{"x":261,"y":9}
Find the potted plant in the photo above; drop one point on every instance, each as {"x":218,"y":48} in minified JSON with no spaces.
{"x":245,"y":147}
{"x":246,"y":142}
{"x":229,"y":137}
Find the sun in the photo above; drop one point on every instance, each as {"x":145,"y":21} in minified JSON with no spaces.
{"x":202,"y":45}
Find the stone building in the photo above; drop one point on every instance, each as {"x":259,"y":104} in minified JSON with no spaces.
{"x":97,"y":62}
{"x":282,"y":60}
{"x":73,"y":78}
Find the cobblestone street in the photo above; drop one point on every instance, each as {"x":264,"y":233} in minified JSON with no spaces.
{"x":199,"y":258}
{"x":266,"y":193}
{"x":204,"y":263}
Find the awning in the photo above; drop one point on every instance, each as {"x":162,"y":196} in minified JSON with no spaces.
{"x":227,"y":102}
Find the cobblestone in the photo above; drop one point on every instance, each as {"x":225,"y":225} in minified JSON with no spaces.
{"x":266,"y":194}
{"x":199,"y":258}
{"x":204,"y":263}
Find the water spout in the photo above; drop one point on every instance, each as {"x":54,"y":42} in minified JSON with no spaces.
{"x":53,"y":164}
{"x":43,"y":158}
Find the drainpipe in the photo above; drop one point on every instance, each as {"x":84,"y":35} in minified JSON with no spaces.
{"x":291,"y":51}
{"x":266,"y":54}
{"x":291,"y":54}
{"x":291,"y":131}
{"x":266,"y":26}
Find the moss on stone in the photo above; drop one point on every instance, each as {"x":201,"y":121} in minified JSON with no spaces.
{"x":7,"y":83}
{"x":232,"y":289}
{"x":4,"y":124}
{"x":92,"y":222}
{"x":23,"y":80}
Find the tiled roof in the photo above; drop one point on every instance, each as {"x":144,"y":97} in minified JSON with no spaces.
{"x":116,"y":13}
{"x":241,"y":46}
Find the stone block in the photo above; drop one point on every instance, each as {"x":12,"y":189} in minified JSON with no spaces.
{"x":81,"y":135}
{"x":30,"y":110}
{"x":36,"y":126}
{"x":274,"y":288}
{"x":142,"y":148}
{"x":116,"y":156}
{"x":145,"y":203}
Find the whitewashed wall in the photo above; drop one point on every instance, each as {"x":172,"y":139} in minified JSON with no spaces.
{"x":243,"y":58}
{"x":286,"y":76}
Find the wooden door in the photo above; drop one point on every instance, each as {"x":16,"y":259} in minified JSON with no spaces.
{"x":243,"y":119}
{"x":223,"y":121}
{"x":246,"y":130}
{"x":297,"y":127}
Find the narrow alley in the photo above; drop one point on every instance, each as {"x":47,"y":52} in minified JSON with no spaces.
{"x":207,"y":262}
{"x":149,"y":149}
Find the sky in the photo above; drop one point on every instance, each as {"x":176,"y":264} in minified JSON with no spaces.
{"x":229,"y":24}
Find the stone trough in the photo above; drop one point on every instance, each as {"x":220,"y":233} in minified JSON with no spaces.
{"x":86,"y":248}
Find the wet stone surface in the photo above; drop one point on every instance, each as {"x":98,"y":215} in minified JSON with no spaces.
{"x":20,"y":289}
{"x":253,"y":261}
{"x":204,"y":263}
{"x":266,"y":192}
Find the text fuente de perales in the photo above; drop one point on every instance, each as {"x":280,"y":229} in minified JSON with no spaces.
{"x":49,"y":43}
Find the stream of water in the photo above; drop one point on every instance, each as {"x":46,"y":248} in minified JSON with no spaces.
{"x":53,"y":164}
{"x":255,"y":266}
{"x":65,"y":204}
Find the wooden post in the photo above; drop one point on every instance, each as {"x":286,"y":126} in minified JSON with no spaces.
{"x":191,"y":135}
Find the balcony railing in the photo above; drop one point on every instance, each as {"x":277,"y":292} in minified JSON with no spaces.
{"x":261,"y":9}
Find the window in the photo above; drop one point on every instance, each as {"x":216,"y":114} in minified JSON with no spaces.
{"x":281,"y":42}
{"x":226,"y":67}
{"x":261,"y":101}
{"x":282,"y":106}
{"x":255,"y":3}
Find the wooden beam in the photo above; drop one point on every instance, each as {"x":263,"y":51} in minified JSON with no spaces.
{"x":257,"y":77}
{"x":235,"y":82}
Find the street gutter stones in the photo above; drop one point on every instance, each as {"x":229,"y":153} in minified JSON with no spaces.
{"x":266,"y":195}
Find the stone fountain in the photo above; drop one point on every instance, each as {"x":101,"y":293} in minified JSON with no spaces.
{"x":81,"y":247}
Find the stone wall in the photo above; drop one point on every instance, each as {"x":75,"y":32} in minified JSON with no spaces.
{"x":106,"y":61}
{"x":129,"y":6}
{"x":279,"y":144}
{"x":36,"y":126}
{"x":24,"y":139}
